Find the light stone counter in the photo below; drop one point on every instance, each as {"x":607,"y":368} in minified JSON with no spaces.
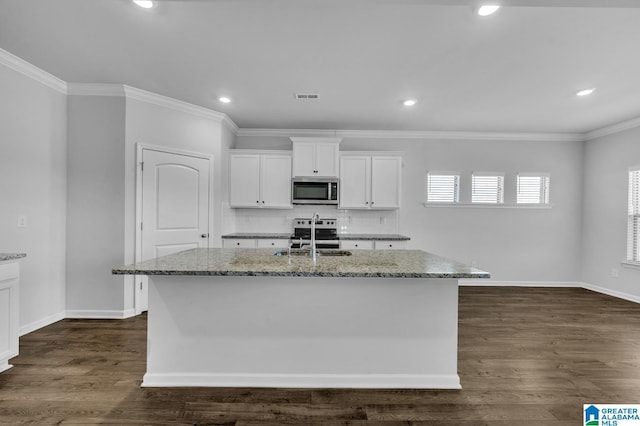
{"x":263,"y":262}
{"x":11,"y":256}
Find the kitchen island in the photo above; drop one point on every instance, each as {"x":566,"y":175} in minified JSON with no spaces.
{"x":247,"y":317}
{"x":9,"y":307}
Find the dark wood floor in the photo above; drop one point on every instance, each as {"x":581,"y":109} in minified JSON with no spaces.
{"x":526,"y":357}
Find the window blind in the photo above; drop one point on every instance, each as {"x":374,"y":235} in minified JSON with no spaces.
{"x":443,"y":188}
{"x":532,"y":189}
{"x":487,"y":188}
{"x":633,"y":222}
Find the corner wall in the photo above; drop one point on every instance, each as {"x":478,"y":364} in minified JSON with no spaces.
{"x":33,"y":141}
{"x":606,"y":163}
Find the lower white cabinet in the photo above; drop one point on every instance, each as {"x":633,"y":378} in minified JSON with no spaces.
{"x":255,"y":243}
{"x":390,"y":245}
{"x":9,"y":280}
{"x":356,"y":245}
{"x":275,"y":243}
{"x":238,"y":243}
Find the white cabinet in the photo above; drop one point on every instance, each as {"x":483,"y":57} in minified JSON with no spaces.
{"x":9,"y":277}
{"x":255,"y":243}
{"x":370,"y":182}
{"x":315,"y":157}
{"x":356,"y":245}
{"x":390,"y":245}
{"x":260,"y":180}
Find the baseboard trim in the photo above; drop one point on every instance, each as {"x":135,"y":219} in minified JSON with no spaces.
{"x":613,"y":293}
{"x":36,"y":325}
{"x":491,"y":283}
{"x":100,"y":314}
{"x":360,"y":381}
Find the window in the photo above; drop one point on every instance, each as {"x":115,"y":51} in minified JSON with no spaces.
{"x":487,"y":188}
{"x":633,"y":221}
{"x":443,"y":187}
{"x":532,"y":189}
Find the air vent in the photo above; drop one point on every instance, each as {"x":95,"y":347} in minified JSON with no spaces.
{"x":306,"y":96}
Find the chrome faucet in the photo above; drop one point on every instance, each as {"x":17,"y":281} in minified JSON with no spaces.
{"x":314,"y":253}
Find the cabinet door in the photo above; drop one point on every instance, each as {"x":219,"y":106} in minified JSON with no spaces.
{"x":304,"y":162}
{"x":276,"y":181}
{"x":327,"y":159}
{"x":244,"y":180}
{"x":385,"y":182}
{"x":356,"y":245}
{"x":390,"y":245}
{"x":238,"y":243}
{"x":354,"y":182}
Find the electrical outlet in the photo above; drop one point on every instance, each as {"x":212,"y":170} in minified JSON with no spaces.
{"x":615,"y":273}
{"x":22,"y":221}
{"x":383,"y":220}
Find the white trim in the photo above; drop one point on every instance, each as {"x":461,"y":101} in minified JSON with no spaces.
{"x":90,"y":89}
{"x":29,"y":70}
{"x":614,"y":128}
{"x":492,"y":283}
{"x":629,"y":264}
{"x":43,"y":322}
{"x":488,"y":206}
{"x":409,"y":134}
{"x":4,"y":366}
{"x":167,"y":102}
{"x":361,"y":381}
{"x":610,"y":292}
{"x":100,"y":314}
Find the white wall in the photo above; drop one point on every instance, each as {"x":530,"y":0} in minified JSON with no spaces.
{"x":513,"y":244}
{"x":95,"y":218}
{"x":606,"y":161}
{"x":33,"y":183}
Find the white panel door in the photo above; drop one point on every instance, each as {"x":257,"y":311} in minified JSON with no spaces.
{"x":276,"y":181}
{"x":175,"y":206}
{"x":385,"y":182}
{"x":354,"y":182}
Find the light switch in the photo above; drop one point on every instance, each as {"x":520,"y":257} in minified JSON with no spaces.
{"x":22,"y":221}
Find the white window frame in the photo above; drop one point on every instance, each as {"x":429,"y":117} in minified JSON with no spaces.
{"x":500,"y":188}
{"x":544,"y":190}
{"x":633,"y":218}
{"x":456,"y":190}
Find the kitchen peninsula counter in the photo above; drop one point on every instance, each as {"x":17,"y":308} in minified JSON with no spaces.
{"x":249,"y":318}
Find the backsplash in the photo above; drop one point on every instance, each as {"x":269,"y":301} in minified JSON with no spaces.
{"x":271,"y":220}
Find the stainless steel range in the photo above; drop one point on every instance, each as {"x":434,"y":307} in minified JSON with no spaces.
{"x":326,"y":231}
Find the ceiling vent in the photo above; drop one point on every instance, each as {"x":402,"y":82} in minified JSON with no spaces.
{"x":306,"y":96}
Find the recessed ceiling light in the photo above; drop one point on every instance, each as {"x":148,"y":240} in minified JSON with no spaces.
{"x":488,"y":9}
{"x":409,"y":102}
{"x":585,"y":92}
{"x":146,"y":4}
{"x":224,"y":99}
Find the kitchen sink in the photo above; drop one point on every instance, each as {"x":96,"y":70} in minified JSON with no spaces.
{"x":307,"y":252}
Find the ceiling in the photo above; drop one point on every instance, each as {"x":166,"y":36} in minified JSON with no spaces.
{"x":515,"y":71}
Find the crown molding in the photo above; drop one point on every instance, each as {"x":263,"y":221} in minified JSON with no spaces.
{"x":95,"y":89}
{"x":614,"y":128}
{"x":25,"y":68}
{"x":410,"y":134}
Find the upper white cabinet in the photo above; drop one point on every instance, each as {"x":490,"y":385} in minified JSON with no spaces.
{"x":370,"y":181}
{"x":315,"y":157}
{"x":260,"y":179}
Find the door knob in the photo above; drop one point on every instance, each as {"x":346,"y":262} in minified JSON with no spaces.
{"x":204,"y":236}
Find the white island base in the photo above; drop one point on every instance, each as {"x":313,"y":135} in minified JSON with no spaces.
{"x":312,"y":332}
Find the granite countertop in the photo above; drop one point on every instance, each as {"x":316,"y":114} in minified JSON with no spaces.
{"x":263,"y":262}
{"x":11,"y":256}
{"x":370,"y":237}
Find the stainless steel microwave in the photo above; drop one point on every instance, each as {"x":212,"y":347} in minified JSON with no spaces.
{"x":314,"y":191}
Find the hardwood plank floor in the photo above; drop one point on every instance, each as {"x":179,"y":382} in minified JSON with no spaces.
{"x":527,"y":356}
